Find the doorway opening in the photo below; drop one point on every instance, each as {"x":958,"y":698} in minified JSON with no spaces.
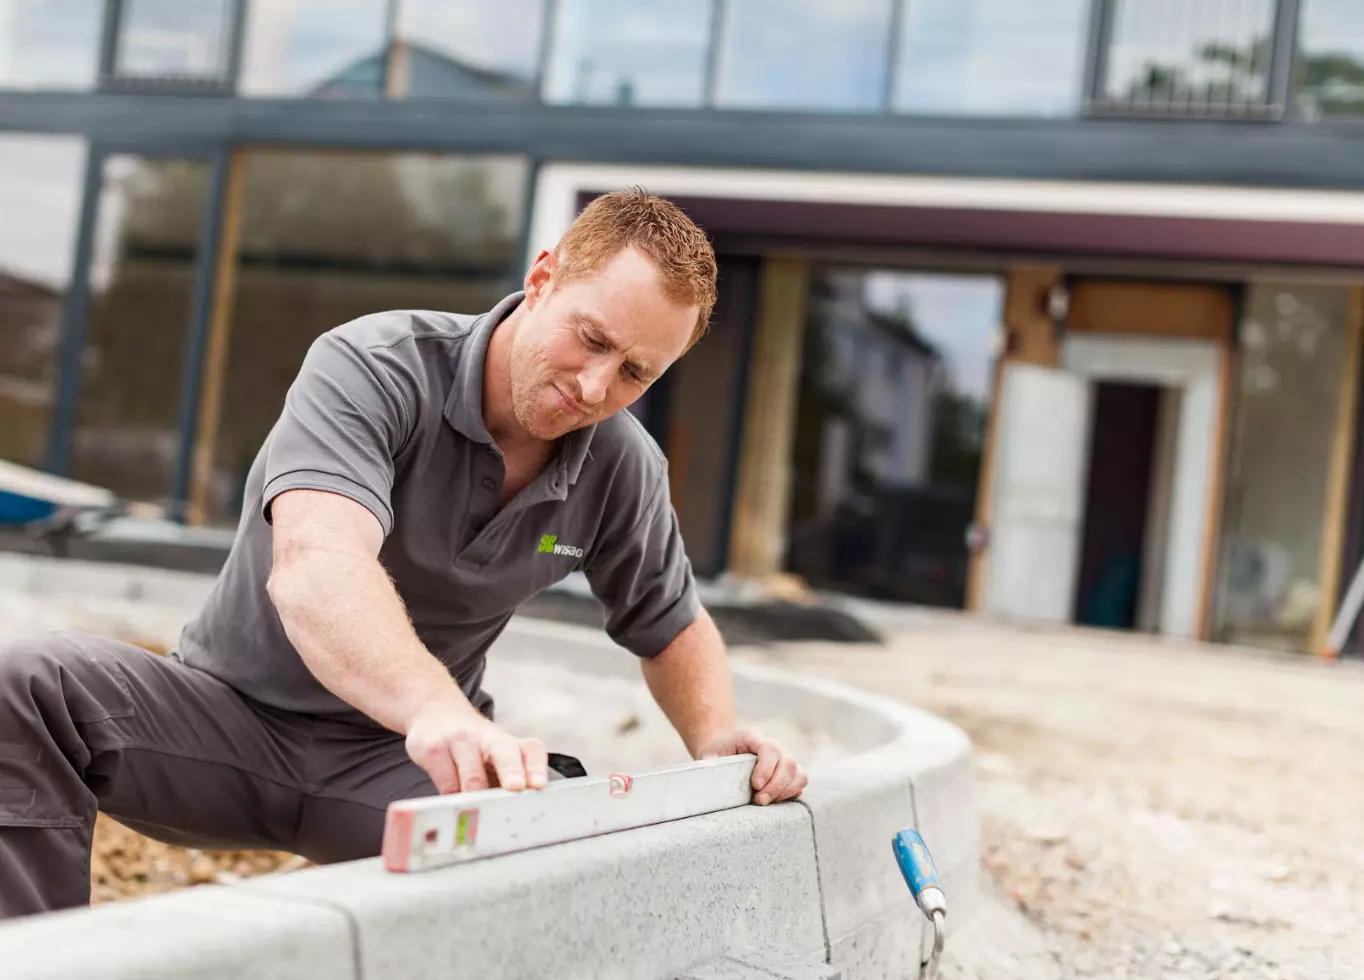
{"x":1126,"y":512}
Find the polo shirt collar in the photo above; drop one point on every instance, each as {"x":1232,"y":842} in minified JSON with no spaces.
{"x":464,"y":407}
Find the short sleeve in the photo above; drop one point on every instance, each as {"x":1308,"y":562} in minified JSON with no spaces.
{"x":644,"y":580}
{"x":345,"y":418}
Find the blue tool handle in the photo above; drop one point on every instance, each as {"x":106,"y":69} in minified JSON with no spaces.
{"x":916,"y":864}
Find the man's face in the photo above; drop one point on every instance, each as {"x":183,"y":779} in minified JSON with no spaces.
{"x":588,"y":349}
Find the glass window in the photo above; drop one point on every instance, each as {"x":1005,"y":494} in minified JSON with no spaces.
{"x":803,"y":54}
{"x":181,"y":39}
{"x":1288,"y":383}
{"x":1202,"y":53}
{"x":998,"y":57}
{"x":315,"y":48}
{"x":50,"y":44}
{"x":327,"y":237}
{"x":141,"y":297}
{"x":1330,"y":61}
{"x":41,"y":178}
{"x":477,"y":49}
{"x":894,"y":393}
{"x":629,"y":52}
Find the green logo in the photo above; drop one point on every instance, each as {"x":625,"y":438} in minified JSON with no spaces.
{"x":547,"y":543}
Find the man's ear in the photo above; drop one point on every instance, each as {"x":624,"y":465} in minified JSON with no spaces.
{"x":539,"y":276}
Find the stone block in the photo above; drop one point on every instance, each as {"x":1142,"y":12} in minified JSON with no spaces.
{"x":634,"y":905}
{"x":205,"y":933}
{"x":857,"y":811}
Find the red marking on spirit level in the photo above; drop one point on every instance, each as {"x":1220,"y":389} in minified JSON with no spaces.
{"x":398,"y":840}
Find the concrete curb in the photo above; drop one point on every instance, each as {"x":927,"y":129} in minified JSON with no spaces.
{"x":802,"y":889}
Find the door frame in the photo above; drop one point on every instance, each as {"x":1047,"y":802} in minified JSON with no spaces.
{"x":75,"y":314}
{"x":1197,"y":367}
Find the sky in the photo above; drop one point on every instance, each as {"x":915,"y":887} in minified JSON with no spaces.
{"x":504,"y":35}
{"x":52,"y":44}
{"x":40,"y":192}
{"x":658,"y":45}
{"x":1332,"y":25}
{"x":992,"y":56}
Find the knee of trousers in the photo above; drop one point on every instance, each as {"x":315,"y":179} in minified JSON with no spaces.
{"x":76,"y":671}
{"x":54,"y":689}
{"x":28,"y":660}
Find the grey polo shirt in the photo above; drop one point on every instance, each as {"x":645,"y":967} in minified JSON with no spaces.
{"x":387,"y":410}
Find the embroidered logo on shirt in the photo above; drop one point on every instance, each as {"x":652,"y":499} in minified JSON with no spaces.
{"x":549,"y":545}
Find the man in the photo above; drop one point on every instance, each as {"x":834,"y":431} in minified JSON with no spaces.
{"x":428,"y":473}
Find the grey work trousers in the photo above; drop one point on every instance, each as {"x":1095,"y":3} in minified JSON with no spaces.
{"x":90,"y":724}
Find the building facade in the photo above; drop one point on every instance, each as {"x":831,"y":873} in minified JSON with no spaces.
{"x":1045,"y":310}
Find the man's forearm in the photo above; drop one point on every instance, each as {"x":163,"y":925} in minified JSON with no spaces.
{"x":344,"y":617}
{"x":691,"y":682}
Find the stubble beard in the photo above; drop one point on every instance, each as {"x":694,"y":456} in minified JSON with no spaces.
{"x":543,"y":425}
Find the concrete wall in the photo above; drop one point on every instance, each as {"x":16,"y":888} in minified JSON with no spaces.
{"x":802,"y":889}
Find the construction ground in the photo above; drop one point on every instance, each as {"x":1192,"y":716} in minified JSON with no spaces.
{"x":1148,"y":809}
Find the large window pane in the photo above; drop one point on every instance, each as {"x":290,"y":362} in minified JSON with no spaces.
{"x":1177,"y":53}
{"x":804,"y":54}
{"x":180,"y":39}
{"x":477,"y":49}
{"x":40,"y":196}
{"x":50,"y":44}
{"x":895,"y":385}
{"x":629,"y":52}
{"x":1288,"y":383}
{"x":327,"y":237}
{"x":315,"y":48}
{"x":998,"y":57}
{"x":1330,"y":62}
{"x":141,"y":295}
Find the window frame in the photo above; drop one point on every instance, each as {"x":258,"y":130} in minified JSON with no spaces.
{"x":109,"y":79}
{"x":1274,"y":107}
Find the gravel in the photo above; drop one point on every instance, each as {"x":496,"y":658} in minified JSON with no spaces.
{"x":1148,"y":809}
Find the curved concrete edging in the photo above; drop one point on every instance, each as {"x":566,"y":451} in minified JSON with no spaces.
{"x":790,"y":887}
{"x":907,"y":768}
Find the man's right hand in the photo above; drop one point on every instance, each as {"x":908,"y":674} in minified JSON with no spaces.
{"x":463,"y":752}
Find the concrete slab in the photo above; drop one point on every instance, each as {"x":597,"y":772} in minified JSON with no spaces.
{"x":640,"y":904}
{"x":208,"y":933}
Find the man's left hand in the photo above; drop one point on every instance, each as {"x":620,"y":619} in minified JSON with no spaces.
{"x":776,"y":776}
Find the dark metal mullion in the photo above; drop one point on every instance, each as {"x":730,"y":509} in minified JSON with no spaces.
{"x":718,"y":9}
{"x":893,"y":43}
{"x":549,"y":18}
{"x":74,"y":313}
{"x":1282,"y":54}
{"x":240,"y":13}
{"x":201,"y":316}
{"x":1096,"y":58}
{"x":108,"y":42}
